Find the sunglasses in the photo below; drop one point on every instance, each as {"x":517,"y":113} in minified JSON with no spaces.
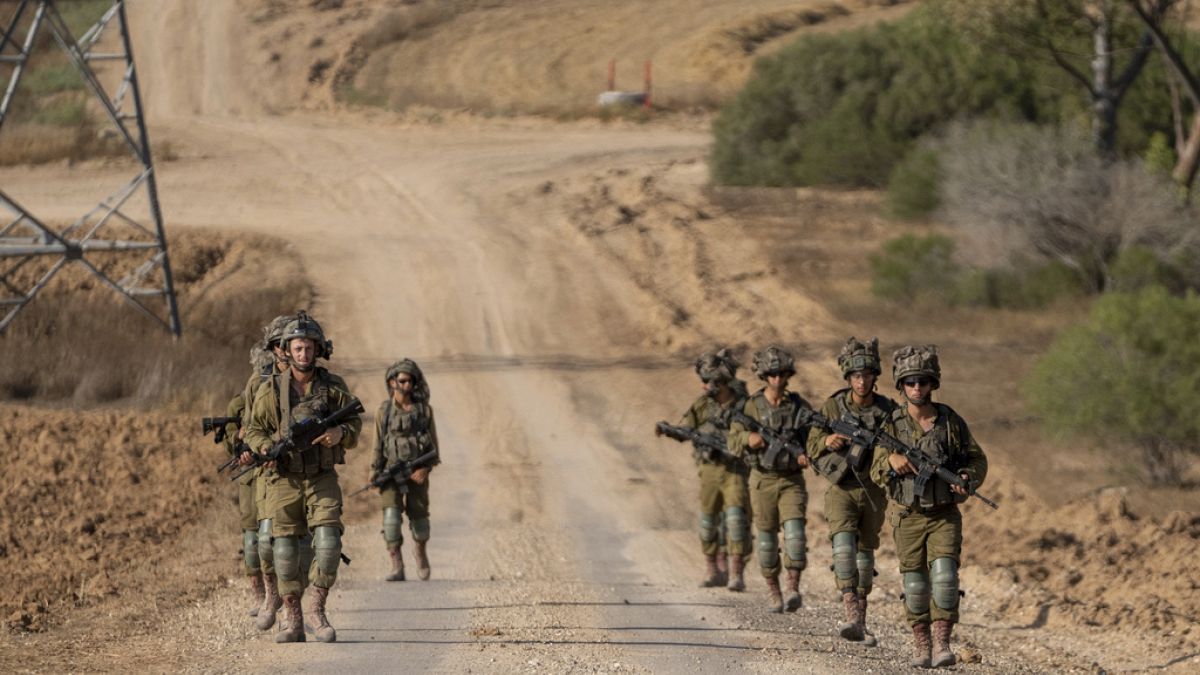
{"x":403,"y":380}
{"x":778,"y":373}
{"x":917,"y":381}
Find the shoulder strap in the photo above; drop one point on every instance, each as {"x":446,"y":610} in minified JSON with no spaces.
{"x":283,"y":392}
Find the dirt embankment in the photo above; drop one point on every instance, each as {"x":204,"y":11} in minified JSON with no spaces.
{"x":102,"y":496}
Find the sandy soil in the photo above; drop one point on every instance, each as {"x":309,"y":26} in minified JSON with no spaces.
{"x":556,"y":280}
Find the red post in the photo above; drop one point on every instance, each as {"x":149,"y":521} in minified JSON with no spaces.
{"x":646,"y":100}
{"x":612,"y":75}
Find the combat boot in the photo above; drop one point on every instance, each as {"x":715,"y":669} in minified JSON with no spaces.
{"x":942,"y":656}
{"x":397,"y":573}
{"x":774,"y":595}
{"x":868,"y":637}
{"x":722,"y":569}
{"x":851,"y":628}
{"x":422,"y":560}
{"x":921,"y":646}
{"x":323,"y":631}
{"x":737,"y":565}
{"x":270,"y":604}
{"x":292,"y":626}
{"x":793,"y":601}
{"x":712,"y":576}
{"x":257,"y":588}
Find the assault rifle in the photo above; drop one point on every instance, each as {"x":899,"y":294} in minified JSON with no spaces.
{"x":399,"y":473}
{"x":777,"y":441}
{"x":301,"y":435}
{"x":926,"y":467}
{"x":711,"y":446}
{"x":216,"y":425}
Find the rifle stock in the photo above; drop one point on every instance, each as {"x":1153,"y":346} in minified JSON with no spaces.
{"x":394,"y":472}
{"x":713,"y":446}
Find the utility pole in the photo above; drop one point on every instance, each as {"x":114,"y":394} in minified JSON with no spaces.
{"x":109,"y":227}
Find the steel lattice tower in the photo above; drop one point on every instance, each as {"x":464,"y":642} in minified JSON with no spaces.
{"x":25,"y":238}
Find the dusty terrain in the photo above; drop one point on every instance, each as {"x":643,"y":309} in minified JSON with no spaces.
{"x":555,"y":279}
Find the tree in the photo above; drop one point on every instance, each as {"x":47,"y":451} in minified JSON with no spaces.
{"x":1152,"y":14}
{"x":1130,"y":375}
{"x":1059,"y":30}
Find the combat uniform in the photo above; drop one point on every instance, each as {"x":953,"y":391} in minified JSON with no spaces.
{"x":927,"y":525}
{"x":401,"y":436}
{"x":303,"y":494}
{"x":777,"y":494}
{"x":855,"y":506}
{"x":724,"y":489}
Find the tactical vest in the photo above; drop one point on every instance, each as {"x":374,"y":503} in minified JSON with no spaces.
{"x":779,"y":418}
{"x":850,"y":466}
{"x":316,"y":404}
{"x":945,"y":444}
{"x":407,"y":434}
{"x":714,"y":419}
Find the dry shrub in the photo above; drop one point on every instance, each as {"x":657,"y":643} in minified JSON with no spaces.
{"x":78,"y":343}
{"x":1020,"y":192}
{"x":30,"y":143}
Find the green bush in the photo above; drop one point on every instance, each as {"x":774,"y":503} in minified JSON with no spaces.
{"x":1131,"y":373}
{"x":66,"y":112}
{"x":913,"y":185}
{"x":911,"y":268}
{"x":51,"y":79}
{"x":844,"y":109}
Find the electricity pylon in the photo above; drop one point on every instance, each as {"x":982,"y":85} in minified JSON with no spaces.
{"x":26,"y":238}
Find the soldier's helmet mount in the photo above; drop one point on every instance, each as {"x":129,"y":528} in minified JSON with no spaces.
{"x":856,"y":355}
{"x":916,"y":360}
{"x":773,"y":359}
{"x":304,"y":326}
{"x":273,"y":331}
{"x":718,"y":366}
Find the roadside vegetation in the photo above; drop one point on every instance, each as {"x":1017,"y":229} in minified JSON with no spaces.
{"x":1033,"y":156}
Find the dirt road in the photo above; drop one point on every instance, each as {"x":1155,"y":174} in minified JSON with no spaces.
{"x":562,"y":531}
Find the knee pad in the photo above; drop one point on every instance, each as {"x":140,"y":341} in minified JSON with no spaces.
{"x":306,"y":556}
{"x":916,"y":592}
{"x":943,"y":574}
{"x":736,"y":524}
{"x":708,"y":528}
{"x":266,"y":553}
{"x":391,"y":526}
{"x":420,"y":529}
{"x":866,"y":570}
{"x":794,"y":542}
{"x":250,"y":550}
{"x":768,"y":549}
{"x":722,"y":534}
{"x":327,"y":548}
{"x":844,"y":546}
{"x":287,"y":558}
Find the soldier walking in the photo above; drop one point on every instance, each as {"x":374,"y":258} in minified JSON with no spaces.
{"x":854,"y":505}
{"x":303,"y":495}
{"x":404,"y":431}
{"x":927,"y":524}
{"x":724,"y":490}
{"x":777,"y":492}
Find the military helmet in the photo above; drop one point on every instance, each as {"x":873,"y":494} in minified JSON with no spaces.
{"x":856,"y":356}
{"x":260,"y":359}
{"x":916,"y":360}
{"x":420,"y":386}
{"x":718,"y":366}
{"x":304,"y":326}
{"x":273,"y":331}
{"x":773,"y":359}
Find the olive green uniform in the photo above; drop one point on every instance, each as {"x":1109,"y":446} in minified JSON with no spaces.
{"x":247,"y":509}
{"x":854,"y":504}
{"x":404,"y":435}
{"x":303,"y":494}
{"x":724,"y":488}
{"x":777,"y":493}
{"x":928,"y":525}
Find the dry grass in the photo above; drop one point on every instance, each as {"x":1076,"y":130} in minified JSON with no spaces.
{"x":79,"y":344}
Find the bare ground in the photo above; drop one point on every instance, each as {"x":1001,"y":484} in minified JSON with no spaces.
{"x":556,"y":280}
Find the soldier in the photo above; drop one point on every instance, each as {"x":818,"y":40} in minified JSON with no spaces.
{"x":854,"y":505}
{"x":777,"y":492}
{"x":927,"y":525}
{"x":303,"y":495}
{"x":724,"y":493}
{"x":404,"y":431}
